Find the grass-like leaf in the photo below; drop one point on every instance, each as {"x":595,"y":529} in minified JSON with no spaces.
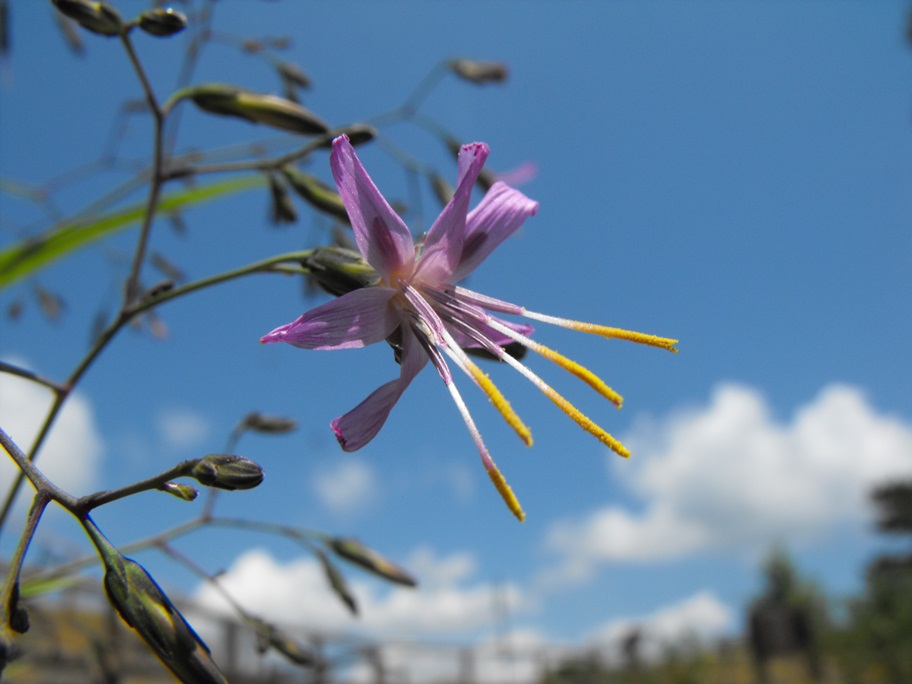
{"x":30,"y":255}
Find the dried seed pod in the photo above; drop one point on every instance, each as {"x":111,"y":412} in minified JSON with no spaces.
{"x":479,"y":72}
{"x":162,"y":22}
{"x":269,"y":110}
{"x":97,"y":17}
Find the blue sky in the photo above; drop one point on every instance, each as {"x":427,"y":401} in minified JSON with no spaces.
{"x":734,"y":175}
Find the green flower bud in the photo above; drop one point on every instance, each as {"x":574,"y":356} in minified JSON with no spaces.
{"x":226,"y":471}
{"x":358,"y":134}
{"x":339,"y":270}
{"x":96,"y":17}
{"x":260,"y":422}
{"x":479,"y":72}
{"x":227,"y":100}
{"x":315,"y":192}
{"x":338,"y":583}
{"x":142,"y":604}
{"x":293,"y":74}
{"x":269,"y":636}
{"x":181,"y":491}
{"x":162,"y":22}
{"x":282,"y":208}
{"x":355,"y":552}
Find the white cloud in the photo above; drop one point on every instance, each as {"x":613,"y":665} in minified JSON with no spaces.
{"x":71,"y":455}
{"x":701,"y":616}
{"x":349,"y":486}
{"x":729,"y":476}
{"x":182,"y":428}
{"x":296,"y":592}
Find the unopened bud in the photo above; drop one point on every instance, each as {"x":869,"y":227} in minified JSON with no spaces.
{"x":282,"y":208}
{"x":293,"y":74}
{"x":97,"y":17}
{"x":226,"y":471}
{"x":274,"y":425}
{"x":355,"y":552}
{"x":180,"y":490}
{"x":479,"y":72}
{"x":269,"y":636}
{"x":270,"y":110}
{"x":315,"y":192}
{"x":162,"y":22}
{"x":338,"y":583}
{"x":339,"y":270}
{"x":357,"y":133}
{"x":147,"y":609}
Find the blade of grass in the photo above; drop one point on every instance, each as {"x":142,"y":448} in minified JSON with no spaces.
{"x":32,"y":254}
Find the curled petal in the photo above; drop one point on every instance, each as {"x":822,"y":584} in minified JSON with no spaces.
{"x":502,"y":210}
{"x":443,"y":245}
{"x":382,"y":237}
{"x":360,"y":425}
{"x":356,"y":319}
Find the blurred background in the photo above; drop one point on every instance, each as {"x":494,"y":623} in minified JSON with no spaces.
{"x":733,"y":175}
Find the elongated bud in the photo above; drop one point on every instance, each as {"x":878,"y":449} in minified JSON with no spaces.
{"x":226,"y":471}
{"x":282,"y":208}
{"x":355,"y":552}
{"x":269,"y":636}
{"x":142,"y":604}
{"x":269,"y":110}
{"x":339,"y":270}
{"x":181,"y":491}
{"x":293,"y":74}
{"x":357,"y":133}
{"x":97,"y":17}
{"x":315,"y":192}
{"x":162,"y":22}
{"x":266,"y":424}
{"x":479,"y":72}
{"x":338,"y":583}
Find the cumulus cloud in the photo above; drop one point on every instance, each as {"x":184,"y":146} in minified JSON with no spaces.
{"x":296,"y":592}
{"x":348,"y":487}
{"x":182,"y":428}
{"x":730,"y":476}
{"x":71,"y":455}
{"x":701,"y":616}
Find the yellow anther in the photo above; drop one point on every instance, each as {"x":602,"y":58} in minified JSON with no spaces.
{"x":500,"y":403}
{"x":586,"y":423}
{"x":581,"y":372}
{"x":605,"y":331}
{"x":508,"y":496}
{"x":629,"y":335}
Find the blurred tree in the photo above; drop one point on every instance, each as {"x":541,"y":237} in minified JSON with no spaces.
{"x":876,"y":644}
{"x":786,"y":619}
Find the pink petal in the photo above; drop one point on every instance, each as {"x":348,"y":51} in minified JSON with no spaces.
{"x":443,"y":244}
{"x":382,"y":237}
{"x":356,"y":319}
{"x":502,"y":210}
{"x":360,"y":425}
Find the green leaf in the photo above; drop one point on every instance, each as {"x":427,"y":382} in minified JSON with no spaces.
{"x":32,"y":254}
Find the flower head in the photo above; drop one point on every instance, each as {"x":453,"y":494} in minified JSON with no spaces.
{"x":418,"y":308}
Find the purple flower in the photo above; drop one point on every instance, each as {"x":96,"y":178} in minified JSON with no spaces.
{"x":417,"y":307}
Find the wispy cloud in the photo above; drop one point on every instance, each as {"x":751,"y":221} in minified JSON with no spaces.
{"x":730,"y":476}
{"x":347,"y":487}
{"x":182,"y":428}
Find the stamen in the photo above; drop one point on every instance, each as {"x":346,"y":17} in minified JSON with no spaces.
{"x":508,"y":496}
{"x":493,"y":472}
{"x":500,"y":403}
{"x":569,"y":365}
{"x":605,"y":331}
{"x":578,"y":417}
{"x":488,"y":387}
